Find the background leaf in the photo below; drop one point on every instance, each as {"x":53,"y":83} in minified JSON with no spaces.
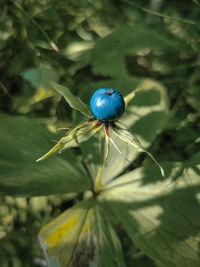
{"x":82,"y":235}
{"x":22,"y":141}
{"x":40,"y":77}
{"x":108,"y":56}
{"x":40,"y":90}
{"x":161,"y":217}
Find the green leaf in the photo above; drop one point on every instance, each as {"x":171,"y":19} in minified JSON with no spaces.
{"x":39,"y":78}
{"x":82,"y":236}
{"x":21,"y":141}
{"x":110,"y":247}
{"x":78,"y":135}
{"x":72,"y":100}
{"x":108,"y":56}
{"x":161,"y":217}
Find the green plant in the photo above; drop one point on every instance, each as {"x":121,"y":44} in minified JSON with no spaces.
{"x":84,"y":234}
{"x":140,"y":200}
{"x":138,"y":215}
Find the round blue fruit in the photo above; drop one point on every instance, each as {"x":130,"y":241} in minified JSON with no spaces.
{"x":107,"y":104}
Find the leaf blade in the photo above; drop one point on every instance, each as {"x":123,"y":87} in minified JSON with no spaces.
{"x":21,"y":140}
{"x":82,"y":235}
{"x":73,"y":101}
{"x":161,"y":217}
{"x":122,"y":42}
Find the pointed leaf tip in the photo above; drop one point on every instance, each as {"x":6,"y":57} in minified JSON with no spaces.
{"x":156,"y":162}
{"x":73,"y":101}
{"x":131,"y":139}
{"x":78,"y":135}
{"x":130,"y":96}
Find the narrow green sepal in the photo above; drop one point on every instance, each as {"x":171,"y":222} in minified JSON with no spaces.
{"x":132,"y":140}
{"x":130,"y":96}
{"x":73,"y":101}
{"x":78,"y":135}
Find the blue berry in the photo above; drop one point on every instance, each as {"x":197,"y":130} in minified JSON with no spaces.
{"x":107,"y":104}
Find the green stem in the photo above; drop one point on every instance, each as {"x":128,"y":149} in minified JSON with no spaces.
{"x":97,"y":183}
{"x":5,"y":89}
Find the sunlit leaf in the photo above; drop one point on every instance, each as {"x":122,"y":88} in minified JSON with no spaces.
{"x":82,"y":236}
{"x":108,"y":56}
{"x":72,"y":100}
{"x":131,"y":95}
{"x":161,"y":217}
{"x":39,"y":79}
{"x":21,"y":141}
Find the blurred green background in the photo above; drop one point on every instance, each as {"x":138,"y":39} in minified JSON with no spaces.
{"x":85,"y":45}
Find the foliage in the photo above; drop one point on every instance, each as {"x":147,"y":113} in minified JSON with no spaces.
{"x":138,"y":218}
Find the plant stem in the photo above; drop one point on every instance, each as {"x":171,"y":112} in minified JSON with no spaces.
{"x":97,"y":183}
